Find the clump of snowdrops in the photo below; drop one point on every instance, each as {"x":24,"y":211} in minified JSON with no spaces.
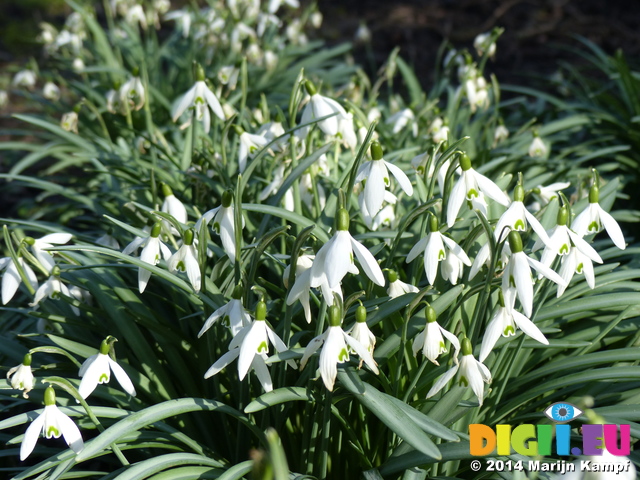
{"x":234,"y":222}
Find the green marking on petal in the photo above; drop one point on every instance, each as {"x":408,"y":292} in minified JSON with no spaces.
{"x":441,"y":255}
{"x":199,"y":100}
{"x":52,"y":431}
{"x":216,"y":227}
{"x":55,"y":295}
{"x":252,"y":149}
{"x":386,"y":181}
{"x":594,"y":227}
{"x":443,"y":348}
{"x":519,"y":225}
{"x":104,"y":378}
{"x":579,"y":268}
{"x":226,"y":321}
{"x":463,"y":382}
{"x":343,"y":356}
{"x":472,"y":193}
{"x":509,"y":330}
{"x":512,"y":281}
{"x":564,"y":249}
{"x":263,"y":347}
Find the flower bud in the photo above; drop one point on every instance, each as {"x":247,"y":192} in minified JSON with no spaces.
{"x":26,"y":360}
{"x":335,"y":317}
{"x":392,"y":275}
{"x":55,"y":271}
{"x":200,"y":76}
{"x":104,"y":347}
{"x":433,"y":223}
{"x":361,"y":314}
{"x":594,"y":194}
{"x":237,"y":292}
{"x":518,"y":193}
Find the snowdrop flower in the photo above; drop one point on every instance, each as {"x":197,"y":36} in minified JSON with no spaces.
{"x":4,"y":98}
{"x":397,"y":287}
{"x":401,"y":119}
{"x":274,"y":186}
{"x":316,"y":19}
{"x":431,"y":339}
{"x":114,"y":105}
{"x":335,"y":258}
{"x":107,"y":240}
{"x":302,"y":285}
{"x":363,"y":34}
{"x":576,"y":262}
{"x":471,"y":373}
{"x":347,"y":132}
{"x":376,"y":174}
{"x":250,"y":145}
{"x":549,"y":192}
{"x":360,"y":332}
{"x":52,"y":289}
{"x":51,"y":91}
{"x":186,"y":260}
{"x":433,"y":247}
{"x":24,"y":78}
{"x":319,"y":107}
{"x":266,"y":19}
{"x":484,"y":258}
{"x":232,"y":314}
{"x":228,"y":75}
{"x":518,"y":275}
{"x":78,"y":66}
{"x":500,"y":135}
{"x":505,"y":322}
{"x":223,"y":224}
{"x":484,"y":43}
{"x":182,"y":18}
{"x":150,"y":254}
{"x":385,"y":216}
{"x":51,"y":423}
{"x":334,"y":343}
{"x":516,"y":218}
{"x":97,"y":369}
{"x":250,"y":346}
{"x":275,"y":134}
{"x":562,"y":239}
{"x":469,"y":186}
{"x":21,"y":377}
{"x":270,"y":60}
{"x":274,"y":5}
{"x":173,"y":207}
{"x":477,"y":92}
{"x":69,"y":122}
{"x":136,"y":15}
{"x":11,"y":278}
{"x":538,"y":148}
{"x":594,"y":219}
{"x":132,"y":93}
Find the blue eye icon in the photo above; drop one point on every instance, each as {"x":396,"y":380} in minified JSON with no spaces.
{"x":562,"y":412}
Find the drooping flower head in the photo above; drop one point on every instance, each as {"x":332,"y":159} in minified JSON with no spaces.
{"x":397,"y":287}
{"x":431,"y":339}
{"x":21,"y":377}
{"x":97,"y":369}
{"x":468,"y":187}
{"x":335,"y":258}
{"x":334,"y":343}
{"x":51,"y":423}
{"x":201,"y":99}
{"x":594,"y":219}
{"x":376,"y":175}
{"x":319,"y":107}
{"x":471,"y":373}
{"x":186,"y":260}
{"x":223,"y":224}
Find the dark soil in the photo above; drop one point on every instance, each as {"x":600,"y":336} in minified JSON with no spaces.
{"x":535,"y":31}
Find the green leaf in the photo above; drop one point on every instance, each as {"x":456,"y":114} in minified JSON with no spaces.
{"x":278,"y":396}
{"x":389,"y":413}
